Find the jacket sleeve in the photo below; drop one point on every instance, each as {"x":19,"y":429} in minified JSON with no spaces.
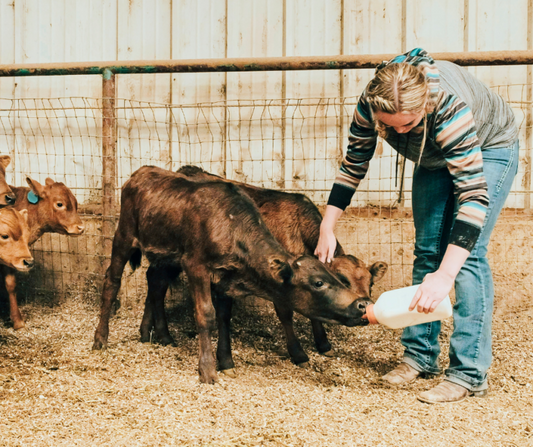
{"x":455,"y":133}
{"x":361,"y":146}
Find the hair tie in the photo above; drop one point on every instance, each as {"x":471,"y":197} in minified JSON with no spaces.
{"x":380,"y":66}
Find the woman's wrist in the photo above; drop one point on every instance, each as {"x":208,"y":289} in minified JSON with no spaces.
{"x":447,"y":274}
{"x":330,"y":219}
{"x":453,"y":261}
{"x":326,"y":228}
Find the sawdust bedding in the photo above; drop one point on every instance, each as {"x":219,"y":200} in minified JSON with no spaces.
{"x":54,"y":391}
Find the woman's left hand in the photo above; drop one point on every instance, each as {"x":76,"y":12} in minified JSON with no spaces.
{"x":432,"y":291}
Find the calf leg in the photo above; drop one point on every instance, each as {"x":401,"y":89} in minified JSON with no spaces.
{"x":204,"y":313}
{"x":296,"y":352}
{"x":122,"y":251}
{"x":14,"y":312}
{"x":223,"y":306}
{"x":147,"y":323}
{"x":154,"y":310}
{"x":322,"y":343}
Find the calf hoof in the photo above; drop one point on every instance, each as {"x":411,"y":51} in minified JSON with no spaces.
{"x":166,"y":340}
{"x":303,"y":365}
{"x":99,"y":345}
{"x":330,"y":353}
{"x":300,"y":359}
{"x":209,"y":378}
{"x":323,"y":347}
{"x":230,"y":373}
{"x":19,"y":325}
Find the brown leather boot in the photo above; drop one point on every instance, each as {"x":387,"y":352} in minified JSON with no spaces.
{"x":448,"y":392}
{"x":401,"y":375}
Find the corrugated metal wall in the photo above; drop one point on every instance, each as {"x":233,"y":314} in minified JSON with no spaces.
{"x":295,"y":148}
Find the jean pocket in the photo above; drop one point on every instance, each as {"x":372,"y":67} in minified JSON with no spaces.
{"x":499,"y":162}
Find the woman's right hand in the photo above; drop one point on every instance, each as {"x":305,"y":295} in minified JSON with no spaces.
{"x":327,"y":243}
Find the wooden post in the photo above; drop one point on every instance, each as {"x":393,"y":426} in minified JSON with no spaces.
{"x":529,"y":115}
{"x":109,"y":163}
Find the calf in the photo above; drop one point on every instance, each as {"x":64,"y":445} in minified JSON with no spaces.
{"x":294,"y":220}
{"x":14,"y":251}
{"x":6,"y":194}
{"x":215,"y":234}
{"x":50,"y":209}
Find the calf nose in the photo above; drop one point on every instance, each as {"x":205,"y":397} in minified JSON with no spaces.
{"x":10,"y":199}
{"x":28,"y":263}
{"x":362,"y":304}
{"x":81,"y":228}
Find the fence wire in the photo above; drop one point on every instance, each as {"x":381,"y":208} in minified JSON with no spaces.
{"x":295,"y":145}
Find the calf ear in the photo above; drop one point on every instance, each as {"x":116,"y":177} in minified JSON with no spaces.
{"x":5,"y":160}
{"x":378,"y":270}
{"x":36,"y":187}
{"x":281,"y":270}
{"x":49,"y":182}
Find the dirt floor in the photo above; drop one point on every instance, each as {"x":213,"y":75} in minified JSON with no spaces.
{"x":54,"y":391}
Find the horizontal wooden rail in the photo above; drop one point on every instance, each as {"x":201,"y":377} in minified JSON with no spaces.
{"x":474,"y":58}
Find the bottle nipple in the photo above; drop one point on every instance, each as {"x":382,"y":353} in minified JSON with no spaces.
{"x":370,"y":314}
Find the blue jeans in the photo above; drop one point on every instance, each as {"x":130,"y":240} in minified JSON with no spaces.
{"x":434,"y":211}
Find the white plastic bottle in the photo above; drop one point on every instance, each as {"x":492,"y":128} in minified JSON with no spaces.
{"x":392,"y":309}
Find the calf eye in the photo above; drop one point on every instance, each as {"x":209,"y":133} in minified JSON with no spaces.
{"x":59,"y":204}
{"x":5,"y":236}
{"x":319,"y":284}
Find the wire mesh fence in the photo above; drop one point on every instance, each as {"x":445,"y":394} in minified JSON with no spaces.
{"x":290,"y":144}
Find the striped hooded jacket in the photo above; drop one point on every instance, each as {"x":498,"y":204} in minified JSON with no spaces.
{"x":465,"y":118}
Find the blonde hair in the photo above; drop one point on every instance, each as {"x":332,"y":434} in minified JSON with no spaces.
{"x":397,"y":88}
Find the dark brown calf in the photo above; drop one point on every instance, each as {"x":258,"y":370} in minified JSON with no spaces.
{"x":6,"y":194}
{"x":14,"y":253}
{"x":294,"y":220}
{"x":215,"y":234}
{"x":50,"y":209}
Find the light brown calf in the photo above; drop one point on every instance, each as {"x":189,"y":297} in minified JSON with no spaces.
{"x":6,"y":194}
{"x":55,"y":210}
{"x":50,"y":209}
{"x":14,"y":254}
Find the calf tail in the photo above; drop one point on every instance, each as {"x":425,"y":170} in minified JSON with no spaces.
{"x":135,"y":259}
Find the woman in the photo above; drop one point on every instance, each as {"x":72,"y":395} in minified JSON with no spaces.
{"x":464,"y":141}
